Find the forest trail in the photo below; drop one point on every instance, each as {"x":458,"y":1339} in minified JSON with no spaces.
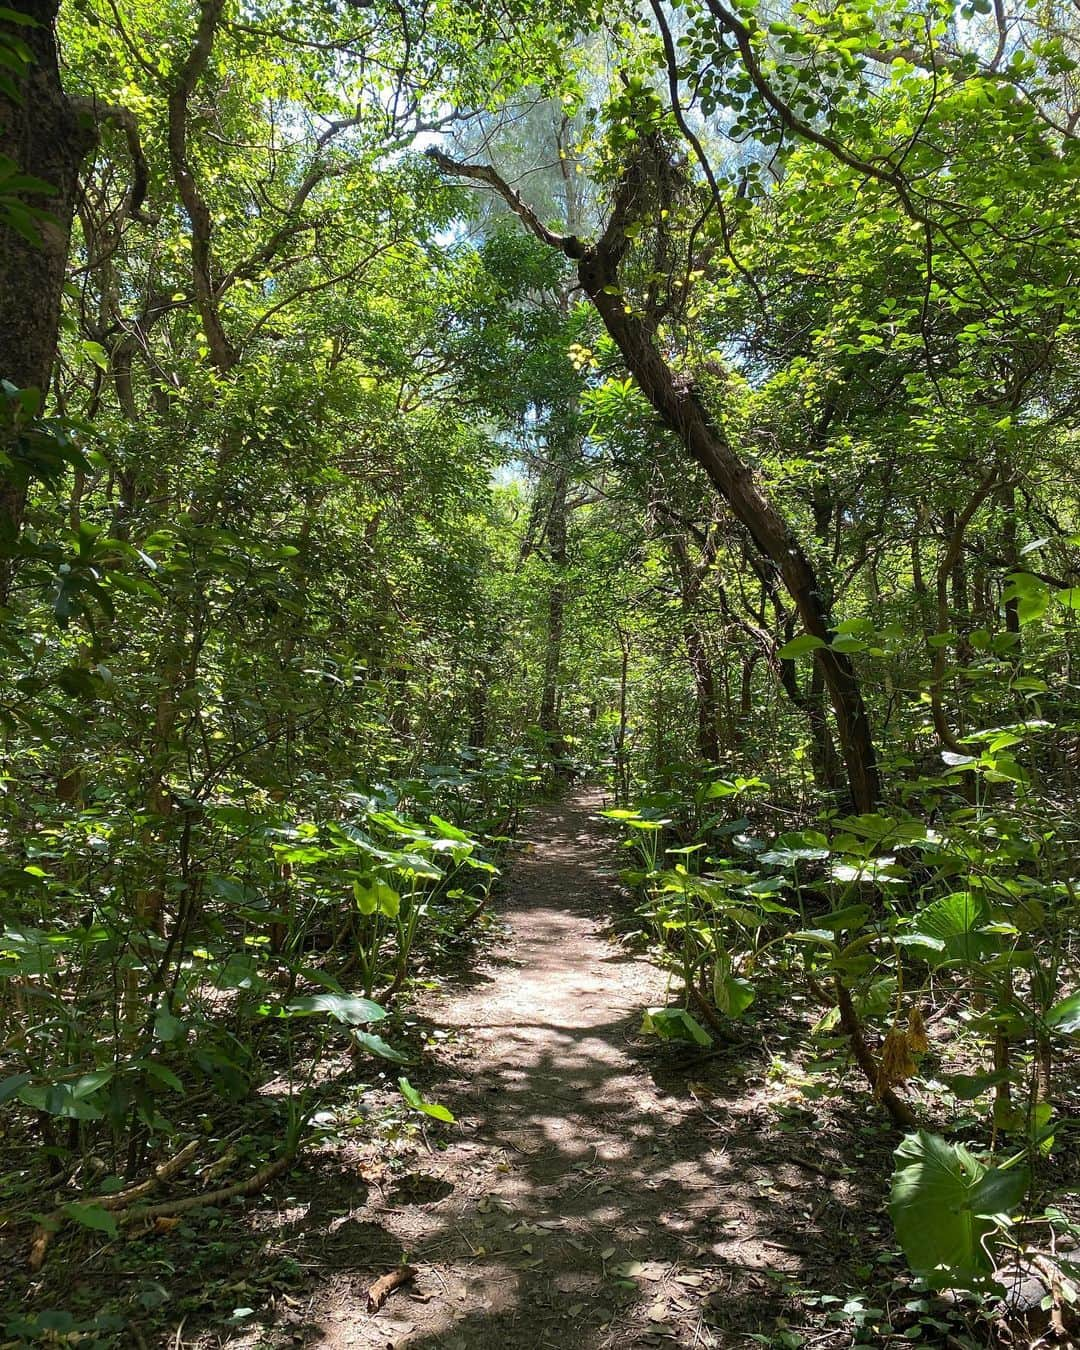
{"x":570,"y":1159}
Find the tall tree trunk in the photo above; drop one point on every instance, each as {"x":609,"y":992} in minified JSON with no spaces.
{"x":622,"y":761}
{"x":1007,"y":497}
{"x":556,"y":540}
{"x":956,"y":525}
{"x":42,"y":136}
{"x":478,"y":704}
{"x":701,"y":668}
{"x":691,"y":577}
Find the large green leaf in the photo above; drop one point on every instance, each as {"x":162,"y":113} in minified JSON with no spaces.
{"x":418,"y":1103}
{"x":674,"y":1024}
{"x":91,"y":1216}
{"x":71,"y":1100}
{"x":449,"y":831}
{"x":1065,"y":1016}
{"x":375,"y":895}
{"x":953,"y":922}
{"x":944,"y":1205}
{"x":367,"y":1040}
{"x":800,"y":646}
{"x":351,"y":1009}
{"x":731,"y":994}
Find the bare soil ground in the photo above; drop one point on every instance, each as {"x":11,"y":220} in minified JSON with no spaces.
{"x":596,"y":1190}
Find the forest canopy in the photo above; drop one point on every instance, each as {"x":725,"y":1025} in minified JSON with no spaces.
{"x":410,"y":409}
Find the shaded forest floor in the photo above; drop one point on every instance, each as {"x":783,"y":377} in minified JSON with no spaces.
{"x":598,"y":1188}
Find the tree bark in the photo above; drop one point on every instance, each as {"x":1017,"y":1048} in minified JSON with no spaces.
{"x":44,"y":137}
{"x":222,"y":352}
{"x":556,"y":541}
{"x":691,"y":579}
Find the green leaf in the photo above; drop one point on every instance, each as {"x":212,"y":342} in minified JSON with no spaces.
{"x":96,"y":353}
{"x":10,"y":1087}
{"x":91,"y":1216}
{"x":822,"y":936}
{"x":944,"y":1204}
{"x":167,"y":1026}
{"x":448,"y":831}
{"x":848,"y":919}
{"x":367,"y":900}
{"x":351,"y":1009}
{"x":367,"y":1040}
{"x":389,"y":900}
{"x":799,"y":646}
{"x":58,"y":1099}
{"x":1065,"y":1016}
{"x":967,"y":1086}
{"x":846,"y":642}
{"x":953,"y":921}
{"x":164,"y":1075}
{"x":418,"y":1103}
{"x":731,"y":994}
{"x":675,"y":1024}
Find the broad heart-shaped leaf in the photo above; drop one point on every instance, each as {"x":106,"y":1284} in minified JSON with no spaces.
{"x":418,"y":1103}
{"x":10,"y":1087}
{"x":367,"y":1040}
{"x":1069,"y":597}
{"x":389,"y":900}
{"x":367,"y":900}
{"x":953,"y":921}
{"x":849,"y":919}
{"x":1065,"y":1016}
{"x":967,"y":1086}
{"x":348,"y":1008}
{"x":675,"y":1024}
{"x":59,"y":1099}
{"x":376,"y":894}
{"x":449,"y":831}
{"x":944,"y":1203}
{"x":732,"y":995}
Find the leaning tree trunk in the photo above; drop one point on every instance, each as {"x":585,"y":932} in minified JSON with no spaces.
{"x":684,"y":414}
{"x":42,"y":137}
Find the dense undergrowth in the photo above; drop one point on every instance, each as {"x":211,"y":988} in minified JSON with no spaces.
{"x":197,"y":1047}
{"x":936,"y":941}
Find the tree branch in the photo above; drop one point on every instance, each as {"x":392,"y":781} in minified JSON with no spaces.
{"x":223,"y":353}
{"x":126,"y":121}
{"x":568,"y":244}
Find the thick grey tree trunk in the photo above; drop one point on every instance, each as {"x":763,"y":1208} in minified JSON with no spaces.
{"x":43,"y":137}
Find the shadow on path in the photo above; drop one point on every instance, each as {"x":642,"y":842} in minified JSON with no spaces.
{"x":580,"y":1202}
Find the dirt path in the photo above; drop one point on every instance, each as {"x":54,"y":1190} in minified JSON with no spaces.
{"x":579,"y":1202}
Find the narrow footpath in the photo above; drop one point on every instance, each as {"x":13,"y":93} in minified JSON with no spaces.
{"x":591,"y":1193}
